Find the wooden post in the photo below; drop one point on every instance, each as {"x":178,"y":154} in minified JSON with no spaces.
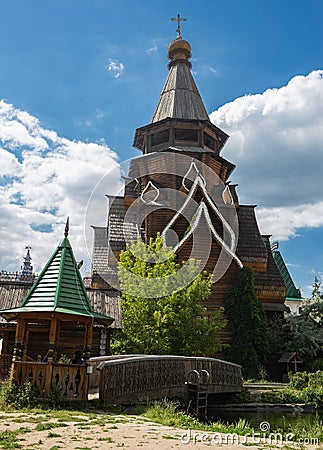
{"x":87,"y":350}
{"x":48,"y":376}
{"x":52,"y":337}
{"x":25,"y":344}
{"x":52,"y":347}
{"x":88,"y":339}
{"x":18,"y":348}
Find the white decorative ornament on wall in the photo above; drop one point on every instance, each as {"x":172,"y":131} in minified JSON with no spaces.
{"x":193,"y":172}
{"x":203,"y":209}
{"x":152,"y":194}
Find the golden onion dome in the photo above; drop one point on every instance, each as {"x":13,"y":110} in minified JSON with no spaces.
{"x":179,"y":49}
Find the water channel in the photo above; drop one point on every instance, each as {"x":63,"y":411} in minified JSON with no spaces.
{"x":282,"y":419}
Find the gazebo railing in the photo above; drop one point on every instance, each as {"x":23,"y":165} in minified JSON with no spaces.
{"x":73,"y":380}
{"x":70,"y":379}
{"x":33,"y":372}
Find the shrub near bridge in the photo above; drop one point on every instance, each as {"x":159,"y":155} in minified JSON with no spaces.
{"x":303,"y":388}
{"x":310,"y":386}
{"x":299,"y":380}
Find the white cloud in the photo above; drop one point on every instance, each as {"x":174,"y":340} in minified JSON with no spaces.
{"x":213,"y":70}
{"x":9,"y":163}
{"x":152,"y":50}
{"x":99,"y":114}
{"x":283,"y":222}
{"x":276,"y":141}
{"x":43,"y":179}
{"x":115,"y":68}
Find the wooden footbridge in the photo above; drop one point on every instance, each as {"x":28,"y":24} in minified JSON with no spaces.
{"x":138,"y":378}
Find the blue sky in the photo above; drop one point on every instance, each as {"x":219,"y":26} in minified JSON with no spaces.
{"x":92,"y":72}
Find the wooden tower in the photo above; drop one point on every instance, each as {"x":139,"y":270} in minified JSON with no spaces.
{"x":180,"y":188}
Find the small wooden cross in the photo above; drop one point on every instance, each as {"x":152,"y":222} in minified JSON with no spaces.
{"x":179,"y":19}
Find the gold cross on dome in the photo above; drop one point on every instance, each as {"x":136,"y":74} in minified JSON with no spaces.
{"x":178,"y":19}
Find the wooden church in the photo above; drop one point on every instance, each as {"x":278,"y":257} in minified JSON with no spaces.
{"x":180,"y":187}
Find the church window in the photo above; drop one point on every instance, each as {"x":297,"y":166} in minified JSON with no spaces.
{"x":160,"y":138}
{"x":186,"y":135}
{"x":209,"y":141}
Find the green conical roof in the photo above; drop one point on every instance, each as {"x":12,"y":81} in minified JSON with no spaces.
{"x":291,"y":291}
{"x":58,"y":289}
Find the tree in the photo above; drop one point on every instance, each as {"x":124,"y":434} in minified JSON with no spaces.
{"x":157,"y":318}
{"x":248,"y":324}
{"x":304,"y":332}
{"x":301,"y":333}
{"x":316,"y":291}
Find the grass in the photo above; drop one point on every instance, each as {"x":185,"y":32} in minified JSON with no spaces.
{"x":303,"y":389}
{"x":163,"y":412}
{"x":49,"y":425}
{"x":53,"y":435}
{"x":166,"y":413}
{"x":9,"y":439}
{"x":312,"y":429}
{"x":106,"y":439}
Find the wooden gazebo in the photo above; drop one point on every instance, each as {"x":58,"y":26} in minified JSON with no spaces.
{"x":292,"y":361}
{"x":59,"y":301}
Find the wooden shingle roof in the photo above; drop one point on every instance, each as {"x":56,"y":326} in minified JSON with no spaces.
{"x":251,"y":247}
{"x":272,"y":277}
{"x":289,"y":356}
{"x":180,"y":98}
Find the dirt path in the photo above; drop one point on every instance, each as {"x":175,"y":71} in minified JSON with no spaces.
{"x":69,"y":430}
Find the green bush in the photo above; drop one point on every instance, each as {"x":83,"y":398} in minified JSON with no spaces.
{"x":299,"y":380}
{"x":25,"y":396}
{"x":316,"y":365}
{"x":313,"y":397}
{"x":55,"y":399}
{"x":283,"y":396}
{"x":243,"y":397}
{"x":64,"y":359}
{"x":315,"y":380}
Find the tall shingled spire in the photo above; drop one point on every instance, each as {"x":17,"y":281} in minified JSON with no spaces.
{"x":180,"y":98}
{"x":180,"y":118}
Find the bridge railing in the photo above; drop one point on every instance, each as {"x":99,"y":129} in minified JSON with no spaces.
{"x":142,"y":378}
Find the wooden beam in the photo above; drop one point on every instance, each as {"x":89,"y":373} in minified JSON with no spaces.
{"x":53,"y":342}
{"x":19,"y":344}
{"x":25,"y":343}
{"x":88,"y":339}
{"x":19,"y":339}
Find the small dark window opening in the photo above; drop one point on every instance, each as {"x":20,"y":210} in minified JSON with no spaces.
{"x":186,"y":135}
{"x":209,"y":141}
{"x":160,"y":138}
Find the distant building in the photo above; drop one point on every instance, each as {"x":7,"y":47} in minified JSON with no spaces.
{"x":25,"y":276}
